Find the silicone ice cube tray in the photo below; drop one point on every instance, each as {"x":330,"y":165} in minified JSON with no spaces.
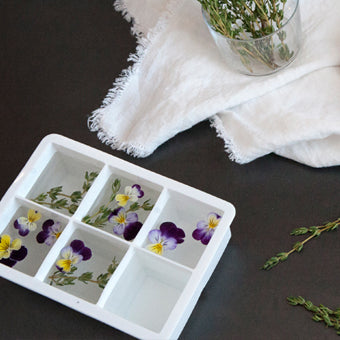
{"x":115,"y":244}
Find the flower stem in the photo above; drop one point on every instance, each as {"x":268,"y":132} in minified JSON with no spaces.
{"x":315,"y":231}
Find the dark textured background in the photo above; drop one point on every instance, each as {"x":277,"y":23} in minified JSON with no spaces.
{"x":57,"y":61}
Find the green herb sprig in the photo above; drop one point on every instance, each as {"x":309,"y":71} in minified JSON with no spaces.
{"x":320,"y":313}
{"x":99,"y":218}
{"x":63,"y":279}
{"x":56,"y":199}
{"x":314,"y":231}
{"x":245,"y":19}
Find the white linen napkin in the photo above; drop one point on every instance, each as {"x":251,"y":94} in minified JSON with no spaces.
{"x":179,"y":79}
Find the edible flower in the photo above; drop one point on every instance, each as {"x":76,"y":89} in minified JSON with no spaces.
{"x":125,"y":224}
{"x":50,"y":233}
{"x":205,"y":229}
{"x":27,"y":224}
{"x":72,"y":255}
{"x":11,"y":252}
{"x":130,"y":194}
{"x":166,"y":238}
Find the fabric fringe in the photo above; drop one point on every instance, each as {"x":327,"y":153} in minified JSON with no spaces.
{"x":229,"y":146}
{"x":143,"y":42}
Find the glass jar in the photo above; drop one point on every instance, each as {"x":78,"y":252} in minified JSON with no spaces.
{"x":265,"y":55}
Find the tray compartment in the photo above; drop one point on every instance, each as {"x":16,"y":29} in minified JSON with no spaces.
{"x":118,"y":216}
{"x":147,"y":291}
{"x":37,"y":229}
{"x":67,"y":169}
{"x":88,"y":260}
{"x":185,"y":213}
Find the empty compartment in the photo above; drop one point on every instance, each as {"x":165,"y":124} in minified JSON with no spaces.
{"x":147,"y":291}
{"x":65,"y":180}
{"x":123,"y":205}
{"x":28,"y":236}
{"x":86,"y":263}
{"x":183,"y":229}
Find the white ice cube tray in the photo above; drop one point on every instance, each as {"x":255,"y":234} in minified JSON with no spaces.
{"x":149,"y":296}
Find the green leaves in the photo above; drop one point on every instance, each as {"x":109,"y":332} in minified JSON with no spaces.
{"x":275,"y":260}
{"x":251,"y":19}
{"x":64,"y":279}
{"x":314,"y":231}
{"x":321,"y":313}
{"x":237,"y":18}
{"x":56,"y":199}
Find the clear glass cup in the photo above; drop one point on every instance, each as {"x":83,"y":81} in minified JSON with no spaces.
{"x":265,"y":55}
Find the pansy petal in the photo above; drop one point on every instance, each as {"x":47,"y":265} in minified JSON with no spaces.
{"x":32,"y":226}
{"x":23,"y":232}
{"x":116,"y":212}
{"x":170,"y":243}
{"x":179,"y":235}
{"x":76,"y":258}
{"x":213,"y":214}
{"x":131,"y":217}
{"x":77,"y":246}
{"x":19,"y":255}
{"x":155,"y":236}
{"x":16,"y":244}
{"x":202,"y":225}
{"x":197,"y":234}
{"x":118,"y":229}
{"x":156,"y":248}
{"x":167,"y":228}
{"x":33,"y":215}
{"x":206,"y":238}
{"x":86,"y":253}
{"x":47,"y":224}
{"x":122,"y":199}
{"x":8,"y":262}
{"x":56,"y":227}
{"x":17,"y":224}
{"x":66,"y":252}
{"x":132,"y":230}
{"x":140,"y":192}
{"x":64,"y":265}
{"x":170,"y":229}
{"x":49,"y":240}
{"x":5,"y":242}
{"x":42,"y":236}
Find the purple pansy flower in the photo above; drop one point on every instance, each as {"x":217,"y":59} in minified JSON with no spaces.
{"x":166,"y":238}
{"x":125,"y":224}
{"x":11,"y":252}
{"x":50,"y":233}
{"x":73,"y":254}
{"x":130,"y":194}
{"x":205,"y":229}
{"x":27,"y":224}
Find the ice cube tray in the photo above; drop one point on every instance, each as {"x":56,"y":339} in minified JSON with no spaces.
{"x":108,"y":239}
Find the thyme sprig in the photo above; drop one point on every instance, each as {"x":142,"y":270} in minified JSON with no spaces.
{"x":239,"y":19}
{"x":314,"y":231}
{"x":320,"y":313}
{"x":63,"y":279}
{"x":244,"y":19}
{"x":101,"y":215}
{"x":55,"y":198}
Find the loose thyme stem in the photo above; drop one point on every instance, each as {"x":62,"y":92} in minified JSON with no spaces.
{"x":320,"y":313}
{"x":298,"y":246}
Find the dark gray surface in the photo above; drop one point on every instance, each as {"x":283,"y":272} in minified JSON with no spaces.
{"x":58,"y":59}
